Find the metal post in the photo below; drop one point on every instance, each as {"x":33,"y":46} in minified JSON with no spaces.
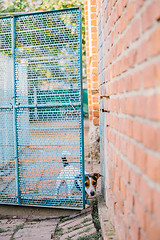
{"x":82,"y":125}
{"x":15,"y":113}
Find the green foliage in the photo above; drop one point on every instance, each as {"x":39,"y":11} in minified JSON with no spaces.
{"x":17,"y":6}
{"x":46,"y":5}
{"x":1,"y":5}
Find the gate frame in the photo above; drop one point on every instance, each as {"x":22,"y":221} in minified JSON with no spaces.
{"x":14,"y":106}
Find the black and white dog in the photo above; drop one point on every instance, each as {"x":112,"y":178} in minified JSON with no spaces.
{"x":71,"y":176}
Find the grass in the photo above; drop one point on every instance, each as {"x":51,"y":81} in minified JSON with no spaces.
{"x":95,"y":217}
{"x":2,"y":230}
{"x":94,"y":236}
{"x":58,"y":231}
{"x":86,"y":220}
{"x":86,"y":230}
{"x":76,"y":227}
{"x":21,"y":226}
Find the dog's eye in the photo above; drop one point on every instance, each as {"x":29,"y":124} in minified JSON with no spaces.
{"x":94,"y":183}
{"x":86,"y":184}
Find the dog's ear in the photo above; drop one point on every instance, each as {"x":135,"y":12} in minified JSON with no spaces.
{"x":86,"y":177}
{"x":97,"y":175}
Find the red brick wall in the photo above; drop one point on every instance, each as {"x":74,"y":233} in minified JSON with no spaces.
{"x":129,"y":93}
{"x":91,"y":59}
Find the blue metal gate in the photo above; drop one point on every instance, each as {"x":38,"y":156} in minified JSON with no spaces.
{"x":40,"y":107}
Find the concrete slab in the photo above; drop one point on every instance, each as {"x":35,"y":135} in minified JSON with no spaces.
{"x":27,"y":212}
{"x":108,"y":231}
{"x":22,"y":229}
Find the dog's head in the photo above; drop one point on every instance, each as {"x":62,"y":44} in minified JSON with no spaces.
{"x":91,"y":183}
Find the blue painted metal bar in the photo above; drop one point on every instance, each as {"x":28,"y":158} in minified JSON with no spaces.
{"x":48,"y":105}
{"x":3,"y":108}
{"x":82,"y":124}
{"x":15,"y":113}
{"x":19,"y":14}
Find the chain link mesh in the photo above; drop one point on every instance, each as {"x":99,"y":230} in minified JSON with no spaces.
{"x":46,"y":86}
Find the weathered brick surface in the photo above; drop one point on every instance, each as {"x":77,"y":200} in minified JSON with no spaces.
{"x":92,"y":61}
{"x":128,"y":46}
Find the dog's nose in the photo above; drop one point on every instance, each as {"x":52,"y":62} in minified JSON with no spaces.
{"x":92,"y":193}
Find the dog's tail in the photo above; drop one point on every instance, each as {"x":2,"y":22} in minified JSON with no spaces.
{"x":64,"y":158}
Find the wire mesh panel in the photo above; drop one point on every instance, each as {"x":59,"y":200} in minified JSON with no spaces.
{"x":47,"y":109}
{"x":7,"y":161}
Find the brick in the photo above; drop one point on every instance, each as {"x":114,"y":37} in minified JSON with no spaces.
{"x":129,"y":127}
{"x":119,"y":9}
{"x":137,"y":131}
{"x":117,"y":179}
{"x":140,"y":213}
{"x":126,"y":172}
{"x":132,"y":57}
{"x":122,"y":188}
{"x":136,"y":80}
{"x":124,"y":64}
{"x":124,"y":3}
{"x":96,"y":114}
{"x":93,"y":2}
{"x":140,"y":106}
{"x":122,"y":23}
{"x":158,"y":139}
{"x":131,"y":151}
{"x":150,"y":13}
{"x":135,"y":29}
{"x":130,"y":10}
{"x":126,"y":39}
{"x":123,"y":105}
{"x":153,"y":107}
{"x":121,"y":125}
{"x":148,"y":76}
{"x":119,"y":46}
{"x":157,"y":71}
{"x":128,"y":82}
{"x":96,"y":121}
{"x":149,"y":137}
{"x":131,"y":105}
{"x":94,"y":99}
{"x":145,"y":193}
{"x":141,"y":158}
{"x":119,"y":200}
{"x":153,"y":168}
{"x":153,"y":228}
{"x":142,"y":235}
{"x":153,"y":45}
{"x":139,"y":4}
{"x":135,"y":229}
{"x":156,"y":201}
{"x":95,"y":106}
{"x":134,"y":180}
{"x":142,"y":51}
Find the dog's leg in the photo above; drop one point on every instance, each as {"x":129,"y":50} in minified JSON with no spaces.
{"x":70,"y":184}
{"x":58,"y":183}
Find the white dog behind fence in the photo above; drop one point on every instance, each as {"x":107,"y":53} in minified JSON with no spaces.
{"x":71,"y":176}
